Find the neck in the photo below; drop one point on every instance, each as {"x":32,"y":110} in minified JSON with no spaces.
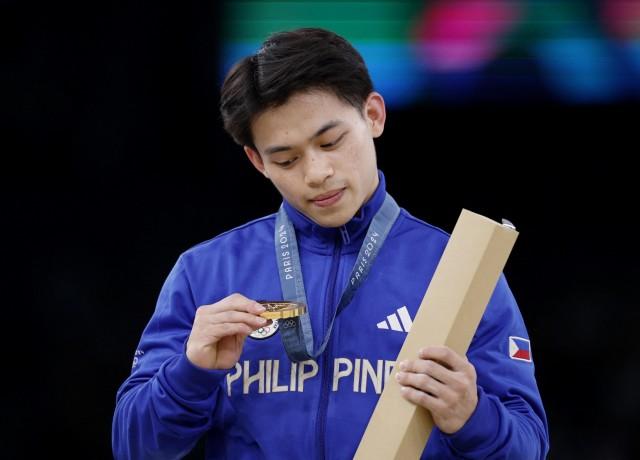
{"x":369,"y":194}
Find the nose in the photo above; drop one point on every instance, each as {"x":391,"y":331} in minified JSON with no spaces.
{"x":318,"y":168}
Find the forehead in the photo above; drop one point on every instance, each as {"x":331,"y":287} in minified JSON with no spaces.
{"x":300,"y":117}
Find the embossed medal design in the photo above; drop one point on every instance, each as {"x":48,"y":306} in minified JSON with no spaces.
{"x":279,"y":309}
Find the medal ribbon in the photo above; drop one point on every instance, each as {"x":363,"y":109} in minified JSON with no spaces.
{"x":297,"y":335}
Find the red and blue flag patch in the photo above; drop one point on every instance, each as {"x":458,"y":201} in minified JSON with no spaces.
{"x":519,"y":348}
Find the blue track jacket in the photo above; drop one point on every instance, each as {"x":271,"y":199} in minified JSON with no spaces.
{"x":267,"y":407}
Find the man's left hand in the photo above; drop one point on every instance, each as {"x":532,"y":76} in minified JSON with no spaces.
{"x":444,"y":383}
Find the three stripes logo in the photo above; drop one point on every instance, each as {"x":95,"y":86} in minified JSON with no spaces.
{"x":399,"y":321}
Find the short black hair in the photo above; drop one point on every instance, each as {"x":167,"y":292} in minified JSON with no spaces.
{"x":291,"y":62}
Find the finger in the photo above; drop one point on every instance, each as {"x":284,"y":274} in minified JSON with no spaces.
{"x":236,"y":302}
{"x":239,"y":302}
{"x":423,"y":399}
{"x":221,"y":330}
{"x":421,"y":382}
{"x":445,"y":356}
{"x":428,"y":367}
{"x":233,"y":316}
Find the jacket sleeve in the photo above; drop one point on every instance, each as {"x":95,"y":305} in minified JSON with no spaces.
{"x":167,"y":403}
{"x":509,"y":421}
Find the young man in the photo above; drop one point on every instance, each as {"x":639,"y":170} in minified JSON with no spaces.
{"x":208,"y":364}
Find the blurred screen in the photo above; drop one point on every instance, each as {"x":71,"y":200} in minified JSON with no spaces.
{"x":465,"y":51}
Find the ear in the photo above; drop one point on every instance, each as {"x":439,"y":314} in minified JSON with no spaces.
{"x":375,"y":113}
{"x":256,"y":160}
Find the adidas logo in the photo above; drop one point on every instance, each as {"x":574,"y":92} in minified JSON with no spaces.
{"x":399,"y":321}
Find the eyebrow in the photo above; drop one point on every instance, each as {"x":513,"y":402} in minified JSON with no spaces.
{"x":326,"y":127}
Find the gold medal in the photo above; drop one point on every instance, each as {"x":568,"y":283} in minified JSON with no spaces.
{"x":279,"y":309}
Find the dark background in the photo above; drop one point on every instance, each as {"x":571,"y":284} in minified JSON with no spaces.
{"x":115,"y":162}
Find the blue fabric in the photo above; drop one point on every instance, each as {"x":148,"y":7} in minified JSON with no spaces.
{"x":268,"y":407}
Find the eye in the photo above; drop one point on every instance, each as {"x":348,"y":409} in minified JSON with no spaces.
{"x":286,"y":163}
{"x":334,"y":143}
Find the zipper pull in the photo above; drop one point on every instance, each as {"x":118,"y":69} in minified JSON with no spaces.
{"x":346,"y":239}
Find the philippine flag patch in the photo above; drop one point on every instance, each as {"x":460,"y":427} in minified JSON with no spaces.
{"x":519,"y":349}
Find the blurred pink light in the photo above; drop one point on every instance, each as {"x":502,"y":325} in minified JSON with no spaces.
{"x":458,"y":35}
{"x":622,"y":18}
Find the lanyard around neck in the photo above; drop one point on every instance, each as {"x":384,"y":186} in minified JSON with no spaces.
{"x":297,"y":335}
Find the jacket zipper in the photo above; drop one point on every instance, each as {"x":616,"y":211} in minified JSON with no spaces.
{"x":323,"y":406}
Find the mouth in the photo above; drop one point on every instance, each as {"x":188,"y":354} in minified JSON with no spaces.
{"x":329,"y":198}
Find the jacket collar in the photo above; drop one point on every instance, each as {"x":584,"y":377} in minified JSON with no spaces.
{"x":309,"y":233}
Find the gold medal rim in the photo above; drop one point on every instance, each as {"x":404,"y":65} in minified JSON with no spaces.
{"x":291,"y":310}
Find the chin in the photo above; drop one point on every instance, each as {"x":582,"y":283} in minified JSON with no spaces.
{"x":333,"y":220}
{"x":332,"y":223}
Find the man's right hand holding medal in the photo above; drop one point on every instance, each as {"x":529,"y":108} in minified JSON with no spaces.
{"x":220,"y":329}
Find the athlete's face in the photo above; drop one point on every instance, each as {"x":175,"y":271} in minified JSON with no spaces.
{"x":318,"y":151}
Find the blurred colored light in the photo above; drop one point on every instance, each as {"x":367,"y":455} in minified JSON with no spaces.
{"x":622,"y":18}
{"x":631,"y":51}
{"x":581,"y":70}
{"x":466,"y":50}
{"x":394,"y":71}
{"x":456,"y":35}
